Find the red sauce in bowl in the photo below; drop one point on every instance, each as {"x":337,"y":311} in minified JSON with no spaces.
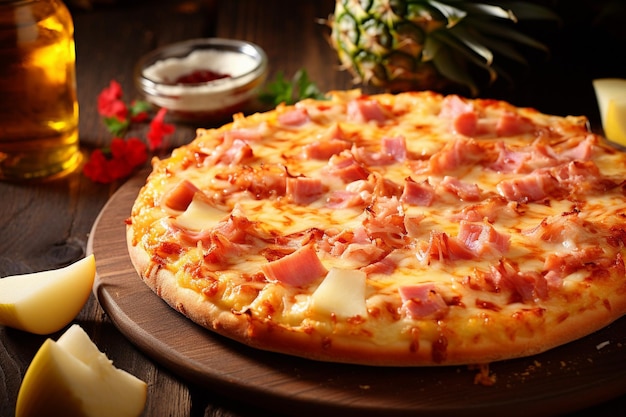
{"x":200,"y":76}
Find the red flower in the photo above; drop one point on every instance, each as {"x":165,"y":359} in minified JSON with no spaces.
{"x":139,"y":111}
{"x":96,"y":167}
{"x":158,"y":129}
{"x":123,"y":156}
{"x":110,"y":103}
{"x":119,"y":162}
{"x":136,"y":152}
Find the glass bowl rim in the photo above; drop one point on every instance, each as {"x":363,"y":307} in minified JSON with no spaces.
{"x":184,"y":48}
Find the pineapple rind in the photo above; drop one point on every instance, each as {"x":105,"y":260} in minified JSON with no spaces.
{"x":428,"y":44}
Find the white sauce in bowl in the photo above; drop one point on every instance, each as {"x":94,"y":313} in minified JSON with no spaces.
{"x":208,"y":96}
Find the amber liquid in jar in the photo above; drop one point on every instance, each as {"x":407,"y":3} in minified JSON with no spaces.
{"x":38,"y":102}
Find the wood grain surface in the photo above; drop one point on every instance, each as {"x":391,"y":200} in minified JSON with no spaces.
{"x":569,"y":378}
{"x":45,"y":226}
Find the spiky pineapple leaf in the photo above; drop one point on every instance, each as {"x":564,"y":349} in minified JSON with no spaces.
{"x":462,"y":52}
{"x":463,"y":36}
{"x":481,"y":9}
{"x":447,"y":66}
{"x":452,"y":14}
{"x":507,"y":33}
{"x":431,"y":47}
{"x":525,"y":10}
{"x":458,"y":36}
{"x":501,"y":48}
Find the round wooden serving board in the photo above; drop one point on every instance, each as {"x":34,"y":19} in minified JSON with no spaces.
{"x":569,"y":378}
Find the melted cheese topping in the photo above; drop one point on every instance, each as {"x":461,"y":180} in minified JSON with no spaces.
{"x":488,"y":245}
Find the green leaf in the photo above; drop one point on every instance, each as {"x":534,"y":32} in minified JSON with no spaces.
{"x":278,"y":91}
{"x":116,"y":126}
{"x":289,"y":92}
{"x":306,"y":87}
{"x":139,"y":106}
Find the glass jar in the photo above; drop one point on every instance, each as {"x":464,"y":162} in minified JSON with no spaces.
{"x":38,"y":102}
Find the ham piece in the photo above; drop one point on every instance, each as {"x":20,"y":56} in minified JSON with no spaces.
{"x":418,"y":193}
{"x":299,"y":268}
{"x":457,"y":153}
{"x":486,"y":210}
{"x":249,"y":135}
{"x":528,"y":188}
{"x":324,"y":149}
{"x":539,"y":155}
{"x":385,"y":221}
{"x":422,"y":300}
{"x":466,"y":121}
{"x":510,"y":160}
{"x":573,"y":177}
{"x":395,"y":147}
{"x":463,"y":190}
{"x":474,"y":241}
{"x":511,"y":124}
{"x":340,"y":199}
{"x":344,"y":166}
{"x":304,"y":190}
{"x":392,"y":150}
{"x":463,"y":117}
{"x":180,"y":196}
{"x":384,"y":266}
{"x":441,"y":247}
{"x":363,"y":110}
{"x":227,"y":239}
{"x":296,"y":117}
{"x":482,"y":239}
{"x":523,"y":286}
{"x":221,"y":248}
{"x":329,"y":143}
{"x":233,"y":150}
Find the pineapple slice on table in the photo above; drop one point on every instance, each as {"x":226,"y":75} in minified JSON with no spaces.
{"x":72,"y":377}
{"x":426,"y":44}
{"x":45,"y":302}
{"x":611,"y":97}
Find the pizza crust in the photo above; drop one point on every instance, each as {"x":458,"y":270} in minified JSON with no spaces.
{"x":339,"y":348}
{"x":498,"y":332}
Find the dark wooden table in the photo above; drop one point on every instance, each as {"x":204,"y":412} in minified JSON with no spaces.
{"x":44,"y":226}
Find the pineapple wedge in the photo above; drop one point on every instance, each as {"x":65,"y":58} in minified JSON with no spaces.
{"x":72,"y":378}
{"x":45,"y":302}
{"x":615,"y":125}
{"x":611,"y":96}
{"x":341,"y":293}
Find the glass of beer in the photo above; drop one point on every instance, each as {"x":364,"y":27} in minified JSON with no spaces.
{"x":38,"y":102}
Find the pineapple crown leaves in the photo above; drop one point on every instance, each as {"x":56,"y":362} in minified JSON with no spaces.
{"x":452,"y":14}
{"x":383,"y":42}
{"x":477,"y":33}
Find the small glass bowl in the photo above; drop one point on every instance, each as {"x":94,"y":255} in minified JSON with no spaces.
{"x":244,"y":64}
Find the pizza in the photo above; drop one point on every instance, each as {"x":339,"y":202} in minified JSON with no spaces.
{"x":411,"y":229}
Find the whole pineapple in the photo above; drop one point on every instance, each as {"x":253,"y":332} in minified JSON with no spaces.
{"x":427,"y":44}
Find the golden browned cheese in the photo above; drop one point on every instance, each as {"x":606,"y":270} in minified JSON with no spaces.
{"x":479,"y":314}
